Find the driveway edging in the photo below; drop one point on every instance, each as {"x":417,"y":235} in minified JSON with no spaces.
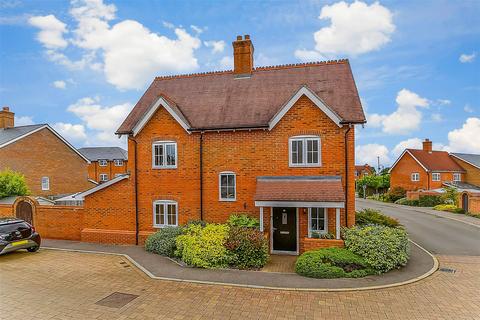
{"x":152,"y":276}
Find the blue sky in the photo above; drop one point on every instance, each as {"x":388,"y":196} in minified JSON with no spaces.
{"x":82,"y":65}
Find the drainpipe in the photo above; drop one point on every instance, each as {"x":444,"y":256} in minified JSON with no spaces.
{"x":346,"y":174}
{"x":201,"y":175}
{"x":136,"y":194}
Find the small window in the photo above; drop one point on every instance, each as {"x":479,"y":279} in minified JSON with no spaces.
{"x":165,"y":213}
{"x":103,"y":177}
{"x":118,"y":162}
{"x":102,"y":163}
{"x":457,"y":177}
{"x":435,"y":176}
{"x":318,"y":221}
{"x":45,"y":183}
{"x":227,"y":186}
{"x":415,"y":176}
{"x":305,"y":151}
{"x":164,"y":155}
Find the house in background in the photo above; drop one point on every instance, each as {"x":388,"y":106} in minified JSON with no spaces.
{"x":361,"y":171}
{"x":425,"y":169}
{"x":471,"y":164}
{"x":50,"y":164}
{"x":106,"y":163}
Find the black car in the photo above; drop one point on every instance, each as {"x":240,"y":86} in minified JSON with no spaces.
{"x":17,"y":234}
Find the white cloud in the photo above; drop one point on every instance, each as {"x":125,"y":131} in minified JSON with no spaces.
{"x":197,"y":29}
{"x":168,"y":25}
{"x":368,"y":153}
{"x":466,"y":58}
{"x":71,"y":132}
{"x":467,"y":108}
{"x":226,"y":62}
{"x":443,"y":102}
{"x":23,"y":121}
{"x":51,"y":31}
{"x":465,"y":139}
{"x":59,"y":84}
{"x":354,"y":29}
{"x":406,"y":118}
{"x":308,"y":55}
{"x":128,"y":53}
{"x":413,"y":143}
{"x":436,"y":117}
{"x":217,"y":46}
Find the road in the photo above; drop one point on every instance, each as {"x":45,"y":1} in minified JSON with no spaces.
{"x":436,"y":234}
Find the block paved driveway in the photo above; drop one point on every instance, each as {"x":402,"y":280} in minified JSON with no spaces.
{"x":66,"y":285}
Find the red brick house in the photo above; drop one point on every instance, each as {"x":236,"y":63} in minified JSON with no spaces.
{"x":361,"y":171}
{"x":106,"y":163}
{"x":424,"y":169}
{"x":50,"y":164}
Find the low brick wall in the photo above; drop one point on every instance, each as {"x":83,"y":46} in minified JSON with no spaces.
{"x":108,"y":236}
{"x":58,"y":222}
{"x":309,"y":244}
{"x":6,"y":210}
{"x":415,"y":195}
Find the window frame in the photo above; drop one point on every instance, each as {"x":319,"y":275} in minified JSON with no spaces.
{"x":164,"y":144}
{"x":45,"y":180}
{"x":100,"y":161}
{"x":413,"y":175}
{"x":456,"y":174}
{"x":304,"y":140}
{"x":118,"y":162}
{"x":435,"y":174}
{"x":325,"y":222}
{"x":103,"y":174}
{"x":220,"y":186}
{"x":165,"y":212}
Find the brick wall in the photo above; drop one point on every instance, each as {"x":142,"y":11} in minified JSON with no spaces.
{"x":58,"y":222}
{"x":472,"y":174}
{"x":42,"y":154}
{"x":6,"y":210}
{"x":315,"y":244}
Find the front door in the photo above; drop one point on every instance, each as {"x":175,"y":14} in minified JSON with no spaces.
{"x":284,"y":233}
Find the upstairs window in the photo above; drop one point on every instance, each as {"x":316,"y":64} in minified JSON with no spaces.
{"x":165,"y":213}
{"x":103,"y":177}
{"x":102,"y":163}
{"x":118,"y":162}
{"x":45,"y":183}
{"x":305,"y":151}
{"x":415,"y":176}
{"x":435,"y":176}
{"x":164,"y":155}
{"x":457,"y":177}
{"x":227,"y":186}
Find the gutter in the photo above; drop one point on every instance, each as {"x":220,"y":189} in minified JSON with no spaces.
{"x":136,"y":195}
{"x":201,"y":130}
{"x":201,"y":176}
{"x":346,"y":174}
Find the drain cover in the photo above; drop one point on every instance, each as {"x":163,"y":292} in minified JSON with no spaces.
{"x":116,"y":300}
{"x":449,"y":270}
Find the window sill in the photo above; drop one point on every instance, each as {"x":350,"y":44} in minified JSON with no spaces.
{"x":161,"y":226}
{"x":304,"y":165}
{"x":227,"y":200}
{"x":163,"y":168}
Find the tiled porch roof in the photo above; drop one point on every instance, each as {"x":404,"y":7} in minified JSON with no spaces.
{"x":300,"y":188}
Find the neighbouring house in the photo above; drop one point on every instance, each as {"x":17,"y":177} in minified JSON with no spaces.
{"x":276,"y":143}
{"x":471,"y":164}
{"x":106,"y":163}
{"x":50,"y":164}
{"x":425,"y":169}
{"x":361,"y":171}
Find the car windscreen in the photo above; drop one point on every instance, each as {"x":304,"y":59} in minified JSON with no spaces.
{"x":9,"y":228}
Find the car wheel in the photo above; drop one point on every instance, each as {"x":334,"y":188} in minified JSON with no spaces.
{"x":33,"y":249}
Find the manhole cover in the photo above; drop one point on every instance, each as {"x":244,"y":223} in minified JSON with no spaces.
{"x":116,"y":300}
{"x":449,"y":270}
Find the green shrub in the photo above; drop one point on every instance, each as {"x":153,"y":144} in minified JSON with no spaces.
{"x":406,"y":202}
{"x":401,"y":201}
{"x":332,"y":263}
{"x":163,"y":242}
{"x":12,"y":184}
{"x":395,"y":193}
{"x":197,"y":222}
{"x":204,"y":246}
{"x":448,"y":207}
{"x":450,"y":195}
{"x":429,"y":201}
{"x":372,"y":216}
{"x":248,"y":247}
{"x":242,"y":220}
{"x":383,"y":248}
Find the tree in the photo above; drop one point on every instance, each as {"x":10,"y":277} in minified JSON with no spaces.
{"x":450,"y":195}
{"x":12,"y":184}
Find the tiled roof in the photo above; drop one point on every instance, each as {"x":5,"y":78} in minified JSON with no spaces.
{"x":220,"y":100}
{"x":9,"y":134}
{"x":104,"y":153}
{"x":473,"y":159}
{"x":311,"y":189}
{"x":436,"y":160}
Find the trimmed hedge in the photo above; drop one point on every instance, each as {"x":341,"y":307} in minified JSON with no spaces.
{"x":429,"y":201}
{"x":372,"y":216}
{"x":332,"y":263}
{"x":248,"y":246}
{"x":163,"y":242}
{"x":383,"y":248}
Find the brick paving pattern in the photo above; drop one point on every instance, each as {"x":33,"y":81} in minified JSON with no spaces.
{"x":67,"y":285}
{"x":278,"y":263}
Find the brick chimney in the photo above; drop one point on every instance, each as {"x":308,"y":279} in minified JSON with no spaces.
{"x":242,"y":55}
{"x":427,"y":146}
{"x":6,"y":118}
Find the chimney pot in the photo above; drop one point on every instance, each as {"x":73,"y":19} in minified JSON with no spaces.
{"x":243,"y":56}
{"x":246,"y":37}
{"x":427,"y":145}
{"x":239,"y":38}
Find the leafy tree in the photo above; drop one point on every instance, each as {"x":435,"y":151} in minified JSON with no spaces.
{"x":376,"y":182}
{"x":12,"y":184}
{"x":450,"y":195}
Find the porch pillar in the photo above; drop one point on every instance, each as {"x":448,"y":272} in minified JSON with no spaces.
{"x":337,"y":223}
{"x":261,"y":219}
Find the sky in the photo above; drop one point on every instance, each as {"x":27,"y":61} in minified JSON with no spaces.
{"x":82,"y":65}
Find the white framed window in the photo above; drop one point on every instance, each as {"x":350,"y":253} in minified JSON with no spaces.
{"x":102,"y":162}
{"x":227,"y":186}
{"x":304,"y":151}
{"x":118,"y":162}
{"x":103,"y":177}
{"x":45,"y":183}
{"x":415,"y":176}
{"x":165,"y":213}
{"x":457,"y":177}
{"x":164,"y":155}
{"x":435,"y":176}
{"x":317,"y":220}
